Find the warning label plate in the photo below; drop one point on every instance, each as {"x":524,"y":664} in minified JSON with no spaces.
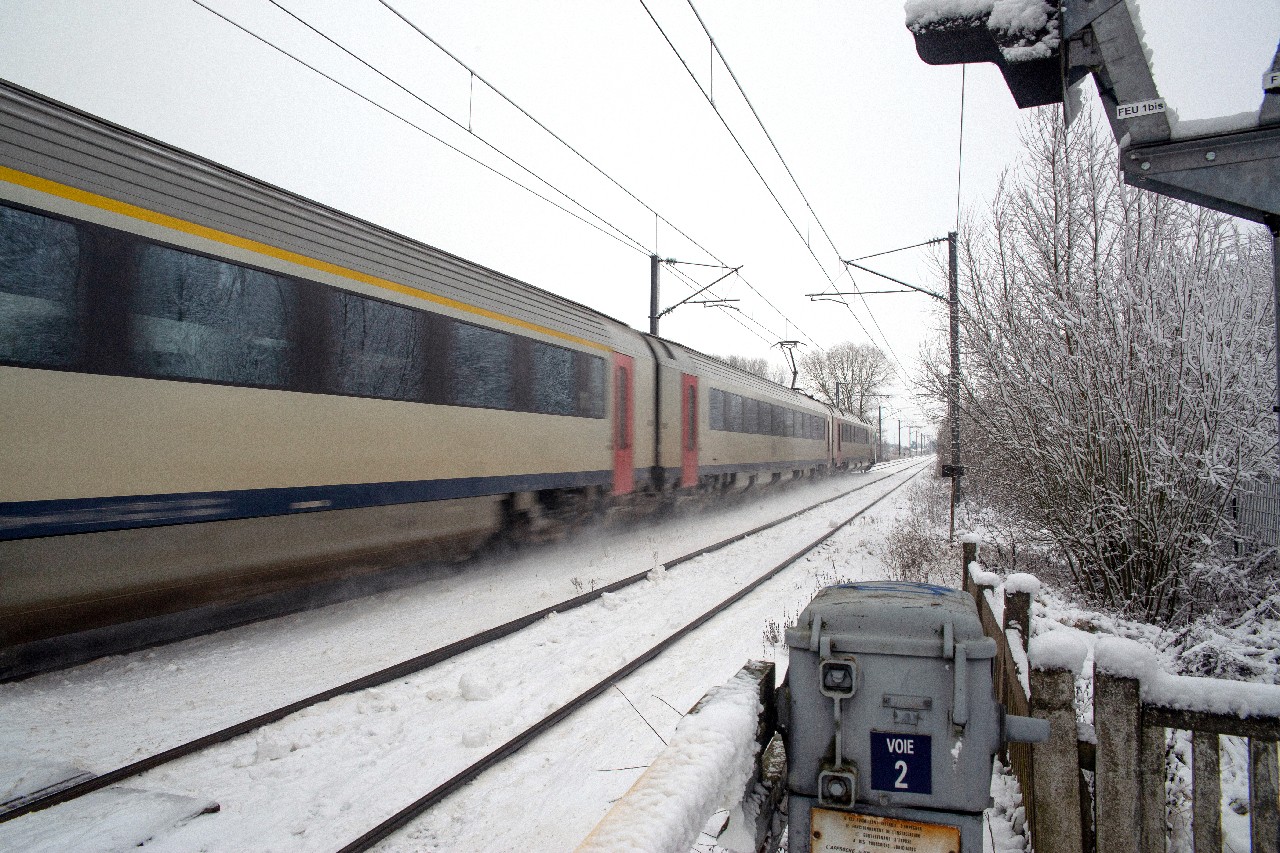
{"x":845,"y":832}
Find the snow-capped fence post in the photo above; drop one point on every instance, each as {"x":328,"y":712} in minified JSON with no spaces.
{"x":1055,"y":801}
{"x":1017,"y":613}
{"x":968,"y":553}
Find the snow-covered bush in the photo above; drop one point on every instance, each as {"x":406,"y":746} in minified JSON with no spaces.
{"x":1118,"y":371}
{"x":915,"y":547}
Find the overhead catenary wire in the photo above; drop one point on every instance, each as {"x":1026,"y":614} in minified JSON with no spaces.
{"x":597,"y":168}
{"x":754,"y":168}
{"x":734,"y":136}
{"x":790,"y":174}
{"x":902,"y":248}
{"x":901,"y":367}
{"x":625,"y":240}
{"x":737,"y":316}
{"x":621,"y":236}
{"x":468,"y":128}
{"x":799,"y":190}
{"x":637,"y":244}
{"x":715,"y":47}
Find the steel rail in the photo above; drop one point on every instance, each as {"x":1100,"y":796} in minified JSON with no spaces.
{"x":380,"y":677}
{"x":417,"y":807}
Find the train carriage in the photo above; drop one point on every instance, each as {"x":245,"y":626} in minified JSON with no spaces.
{"x":213,"y":391}
{"x":851,"y":443}
{"x":211,"y":386}
{"x":752,"y":430}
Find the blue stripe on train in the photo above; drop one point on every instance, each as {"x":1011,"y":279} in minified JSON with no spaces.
{"x":749,"y":467}
{"x":28,"y":519}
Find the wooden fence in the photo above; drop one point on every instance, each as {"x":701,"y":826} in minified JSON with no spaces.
{"x":1124,"y":810}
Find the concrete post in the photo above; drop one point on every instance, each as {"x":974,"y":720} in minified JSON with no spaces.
{"x":1115,"y":718}
{"x":1151,"y":742}
{"x":1055,"y":800}
{"x":1264,"y":788}
{"x":1206,"y":816}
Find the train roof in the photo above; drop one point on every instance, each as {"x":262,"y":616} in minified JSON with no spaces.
{"x":59,"y":143}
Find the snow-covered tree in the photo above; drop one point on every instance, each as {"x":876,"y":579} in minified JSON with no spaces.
{"x":860,"y":371}
{"x":1118,"y":370}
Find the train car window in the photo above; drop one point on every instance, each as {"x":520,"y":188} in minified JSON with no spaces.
{"x":734,"y":408}
{"x":765,"y":424}
{"x":480,"y":367}
{"x":197,"y":318}
{"x":692,"y":442}
{"x":750,"y":415}
{"x":715,"y":407}
{"x":591,"y":385}
{"x":39,"y":258}
{"x":553,"y":380}
{"x":379,"y":348}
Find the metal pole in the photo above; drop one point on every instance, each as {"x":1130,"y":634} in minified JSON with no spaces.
{"x":654,"y":265}
{"x":899,"y":439}
{"x":879,"y":430}
{"x":1273,"y":222}
{"x":953,"y":381}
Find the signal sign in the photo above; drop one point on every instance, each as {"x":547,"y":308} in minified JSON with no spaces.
{"x":901,"y":763}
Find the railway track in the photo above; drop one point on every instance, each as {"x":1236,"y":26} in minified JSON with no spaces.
{"x":440,"y":655}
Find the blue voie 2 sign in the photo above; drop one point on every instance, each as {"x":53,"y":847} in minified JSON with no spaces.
{"x":902,"y":763}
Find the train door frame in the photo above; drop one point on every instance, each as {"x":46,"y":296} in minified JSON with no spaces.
{"x":838,"y":426}
{"x":689,"y":422}
{"x":623,"y":427}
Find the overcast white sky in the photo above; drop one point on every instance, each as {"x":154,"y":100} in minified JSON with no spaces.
{"x":869,"y":131}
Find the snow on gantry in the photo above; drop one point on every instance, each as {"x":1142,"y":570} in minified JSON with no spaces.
{"x":1024,"y":29}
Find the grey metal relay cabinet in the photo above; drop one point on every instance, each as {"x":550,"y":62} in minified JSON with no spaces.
{"x":890,"y":720}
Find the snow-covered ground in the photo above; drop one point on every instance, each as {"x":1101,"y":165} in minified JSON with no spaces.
{"x":325,"y":775}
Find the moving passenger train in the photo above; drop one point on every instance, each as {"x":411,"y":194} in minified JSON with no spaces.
{"x":213,"y":390}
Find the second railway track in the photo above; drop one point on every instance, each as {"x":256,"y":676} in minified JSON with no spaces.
{"x":470,"y":683}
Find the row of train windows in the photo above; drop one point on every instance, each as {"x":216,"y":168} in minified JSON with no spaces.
{"x":735,"y":413}
{"x":855,"y":434}
{"x":83,"y":297}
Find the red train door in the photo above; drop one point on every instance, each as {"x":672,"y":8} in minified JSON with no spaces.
{"x":688,"y":430}
{"x":624,"y":477}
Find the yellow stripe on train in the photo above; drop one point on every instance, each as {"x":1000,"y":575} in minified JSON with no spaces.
{"x":133,"y":211}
